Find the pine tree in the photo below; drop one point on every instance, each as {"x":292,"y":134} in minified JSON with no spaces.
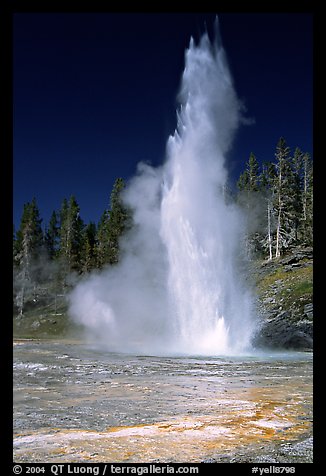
{"x":28,"y":246}
{"x":102,"y":241}
{"x":52,"y":236}
{"x":243,"y":181}
{"x":248,"y":185}
{"x":70,"y":233}
{"x":297,"y":164}
{"x":267,"y":179}
{"x":117,"y":220}
{"x":284,"y":200}
{"x":307,"y":200}
{"x":286,"y":190}
{"x":112,"y":225}
{"x":88,"y":257}
{"x":253,"y":173}
{"x":29,"y":237}
{"x":15,"y":250}
{"x":249,"y":179}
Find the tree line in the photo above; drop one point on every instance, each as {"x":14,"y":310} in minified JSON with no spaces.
{"x":276,"y":196}
{"x":278,"y":200}
{"x":45,"y":262}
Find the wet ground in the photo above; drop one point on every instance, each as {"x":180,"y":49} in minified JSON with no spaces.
{"x":74,"y":403}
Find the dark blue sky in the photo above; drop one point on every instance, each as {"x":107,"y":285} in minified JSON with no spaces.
{"x":94,"y":94}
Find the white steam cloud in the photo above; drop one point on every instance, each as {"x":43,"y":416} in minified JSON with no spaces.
{"x":177,"y":288}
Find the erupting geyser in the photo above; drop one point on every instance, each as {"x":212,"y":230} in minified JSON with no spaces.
{"x":177,"y":288}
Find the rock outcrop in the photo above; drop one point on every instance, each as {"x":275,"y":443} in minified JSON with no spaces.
{"x":285,"y":307}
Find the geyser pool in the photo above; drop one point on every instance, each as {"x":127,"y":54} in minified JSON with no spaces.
{"x":178,"y":287}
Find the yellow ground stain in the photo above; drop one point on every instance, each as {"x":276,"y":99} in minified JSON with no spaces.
{"x":245,"y":418}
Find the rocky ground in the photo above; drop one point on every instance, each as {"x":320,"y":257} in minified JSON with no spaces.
{"x":300,"y":451}
{"x":44,"y":318}
{"x":284,"y":301}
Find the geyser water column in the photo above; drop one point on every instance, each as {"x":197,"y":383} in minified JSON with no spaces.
{"x":177,"y":287}
{"x":209,"y":306}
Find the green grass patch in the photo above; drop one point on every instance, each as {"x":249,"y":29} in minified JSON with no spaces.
{"x":300,"y":279}
{"x":270,"y":279}
{"x":302,"y":288}
{"x":44,"y":321}
{"x":289,"y":287}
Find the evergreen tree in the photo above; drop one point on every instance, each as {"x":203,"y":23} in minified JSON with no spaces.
{"x":29,"y":237}
{"x":102,"y":241}
{"x":284,"y":200}
{"x":88,"y":256}
{"x":70,"y":233}
{"x":249,"y":179}
{"x":15,"y":250}
{"x":267,"y":180}
{"x":285,"y":188}
{"x":248,"y":198}
{"x":118,"y":219}
{"x":243,"y":181}
{"x":28,"y":246}
{"x":267,"y":177}
{"x":52,"y":236}
{"x":253,"y":173}
{"x":297,"y":163}
{"x":112,"y":225}
{"x":307,"y":200}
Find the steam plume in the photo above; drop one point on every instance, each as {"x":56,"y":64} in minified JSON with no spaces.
{"x":177,"y":288}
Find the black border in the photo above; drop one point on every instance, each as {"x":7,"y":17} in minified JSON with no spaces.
{"x":7,"y":10}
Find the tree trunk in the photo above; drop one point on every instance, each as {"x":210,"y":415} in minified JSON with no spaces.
{"x":305,"y":194}
{"x":278,"y":230}
{"x":278,"y":235}
{"x":269,"y":231}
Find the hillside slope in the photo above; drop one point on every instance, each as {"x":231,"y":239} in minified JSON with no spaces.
{"x":284,"y":290}
{"x":285,"y":301}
